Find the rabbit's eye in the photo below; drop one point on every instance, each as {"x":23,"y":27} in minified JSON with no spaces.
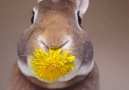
{"x":79,"y":18}
{"x":32,"y":18}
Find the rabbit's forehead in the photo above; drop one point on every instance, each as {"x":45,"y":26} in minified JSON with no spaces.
{"x":47,"y":8}
{"x":63,"y":4}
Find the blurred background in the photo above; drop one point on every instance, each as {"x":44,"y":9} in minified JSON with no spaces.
{"x":107,"y":23}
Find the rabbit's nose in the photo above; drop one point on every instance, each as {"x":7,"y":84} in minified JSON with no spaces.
{"x":53,"y":45}
{"x":58,"y":45}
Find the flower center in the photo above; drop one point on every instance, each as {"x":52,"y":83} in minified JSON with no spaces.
{"x":53,"y":65}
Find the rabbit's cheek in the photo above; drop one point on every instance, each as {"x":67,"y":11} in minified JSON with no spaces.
{"x":79,"y":71}
{"x":73,"y":74}
{"x":25,"y":69}
{"x":78,"y":64}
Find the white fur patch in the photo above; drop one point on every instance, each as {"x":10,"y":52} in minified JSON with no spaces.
{"x":85,"y":69}
{"x":24,"y":69}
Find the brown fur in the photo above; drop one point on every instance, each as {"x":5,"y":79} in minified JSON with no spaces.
{"x":55,"y":22}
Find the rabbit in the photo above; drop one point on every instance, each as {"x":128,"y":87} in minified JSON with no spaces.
{"x":57,"y":23}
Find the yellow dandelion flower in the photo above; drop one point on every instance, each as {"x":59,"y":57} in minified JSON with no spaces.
{"x":53,"y":65}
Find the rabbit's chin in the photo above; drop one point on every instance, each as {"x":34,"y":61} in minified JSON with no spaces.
{"x":79,"y":70}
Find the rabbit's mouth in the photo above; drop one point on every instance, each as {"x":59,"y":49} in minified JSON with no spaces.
{"x":79,"y":70}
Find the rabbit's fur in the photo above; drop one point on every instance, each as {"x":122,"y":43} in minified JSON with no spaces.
{"x":56,"y":25}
